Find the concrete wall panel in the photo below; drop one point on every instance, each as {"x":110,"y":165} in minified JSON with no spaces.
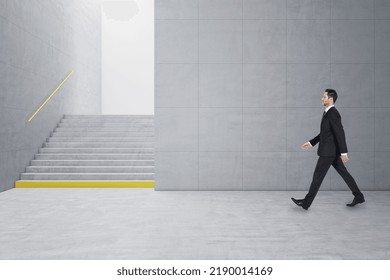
{"x":382,"y":85}
{"x":180,"y":171}
{"x":220,"y":171}
{"x":176,"y":85}
{"x":220,"y":85}
{"x":382,"y":41}
{"x":352,"y":9}
{"x":265,"y":129}
{"x":359,"y":128}
{"x":355,"y":84}
{"x":382,"y":131}
{"x":308,"y":41}
{"x":303,"y":82}
{"x":176,"y":9}
{"x":264,"y":9}
{"x":220,"y":41}
{"x":308,"y":9}
{"x":262,"y":170}
{"x":382,"y":9}
{"x":220,"y":129}
{"x":220,"y":9}
{"x":176,"y":129}
{"x":264,"y":85}
{"x":264,"y":41}
{"x":352,"y":41}
{"x":262,"y":68}
{"x":176,"y":41}
{"x":381,"y":171}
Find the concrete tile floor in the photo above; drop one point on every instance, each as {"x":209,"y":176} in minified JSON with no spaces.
{"x":147,"y":224}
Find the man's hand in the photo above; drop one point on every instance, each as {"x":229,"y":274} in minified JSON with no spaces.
{"x":344,"y":158}
{"x":306,"y":146}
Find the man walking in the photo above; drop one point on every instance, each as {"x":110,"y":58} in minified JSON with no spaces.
{"x":332,"y":150}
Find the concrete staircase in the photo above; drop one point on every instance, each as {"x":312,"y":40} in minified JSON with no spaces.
{"x":95,"y":151}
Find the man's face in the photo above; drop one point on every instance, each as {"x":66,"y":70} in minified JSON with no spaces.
{"x":326,"y":101}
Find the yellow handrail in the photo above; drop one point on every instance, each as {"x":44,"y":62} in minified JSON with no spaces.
{"x":50,"y":96}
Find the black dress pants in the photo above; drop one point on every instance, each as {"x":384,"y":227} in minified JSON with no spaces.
{"x":320,"y":171}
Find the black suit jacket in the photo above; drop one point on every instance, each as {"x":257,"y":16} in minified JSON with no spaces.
{"x":332,"y":136}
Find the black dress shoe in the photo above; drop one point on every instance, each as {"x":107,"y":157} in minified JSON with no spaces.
{"x":300,"y":202}
{"x":355,"y":201}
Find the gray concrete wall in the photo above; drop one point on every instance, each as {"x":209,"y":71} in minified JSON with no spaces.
{"x":41,"y":42}
{"x":238,"y":87}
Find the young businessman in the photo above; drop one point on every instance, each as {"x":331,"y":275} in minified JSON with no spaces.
{"x":332,"y":150}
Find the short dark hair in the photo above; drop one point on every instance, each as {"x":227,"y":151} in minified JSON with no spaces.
{"x":331,"y":94}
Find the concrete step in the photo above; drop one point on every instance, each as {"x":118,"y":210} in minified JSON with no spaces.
{"x":84,"y":184}
{"x":108,"y":117}
{"x":105,"y":121}
{"x":96,"y":151}
{"x":103,"y":134}
{"x":92,"y":163}
{"x":101,"y":139}
{"x":100,"y":157}
{"x":146,"y":129}
{"x":90,"y":169}
{"x":98,"y":145}
{"x":106,"y":125}
{"x":87,"y":176}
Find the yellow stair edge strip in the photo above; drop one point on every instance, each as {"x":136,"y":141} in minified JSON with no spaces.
{"x":84,"y":184}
